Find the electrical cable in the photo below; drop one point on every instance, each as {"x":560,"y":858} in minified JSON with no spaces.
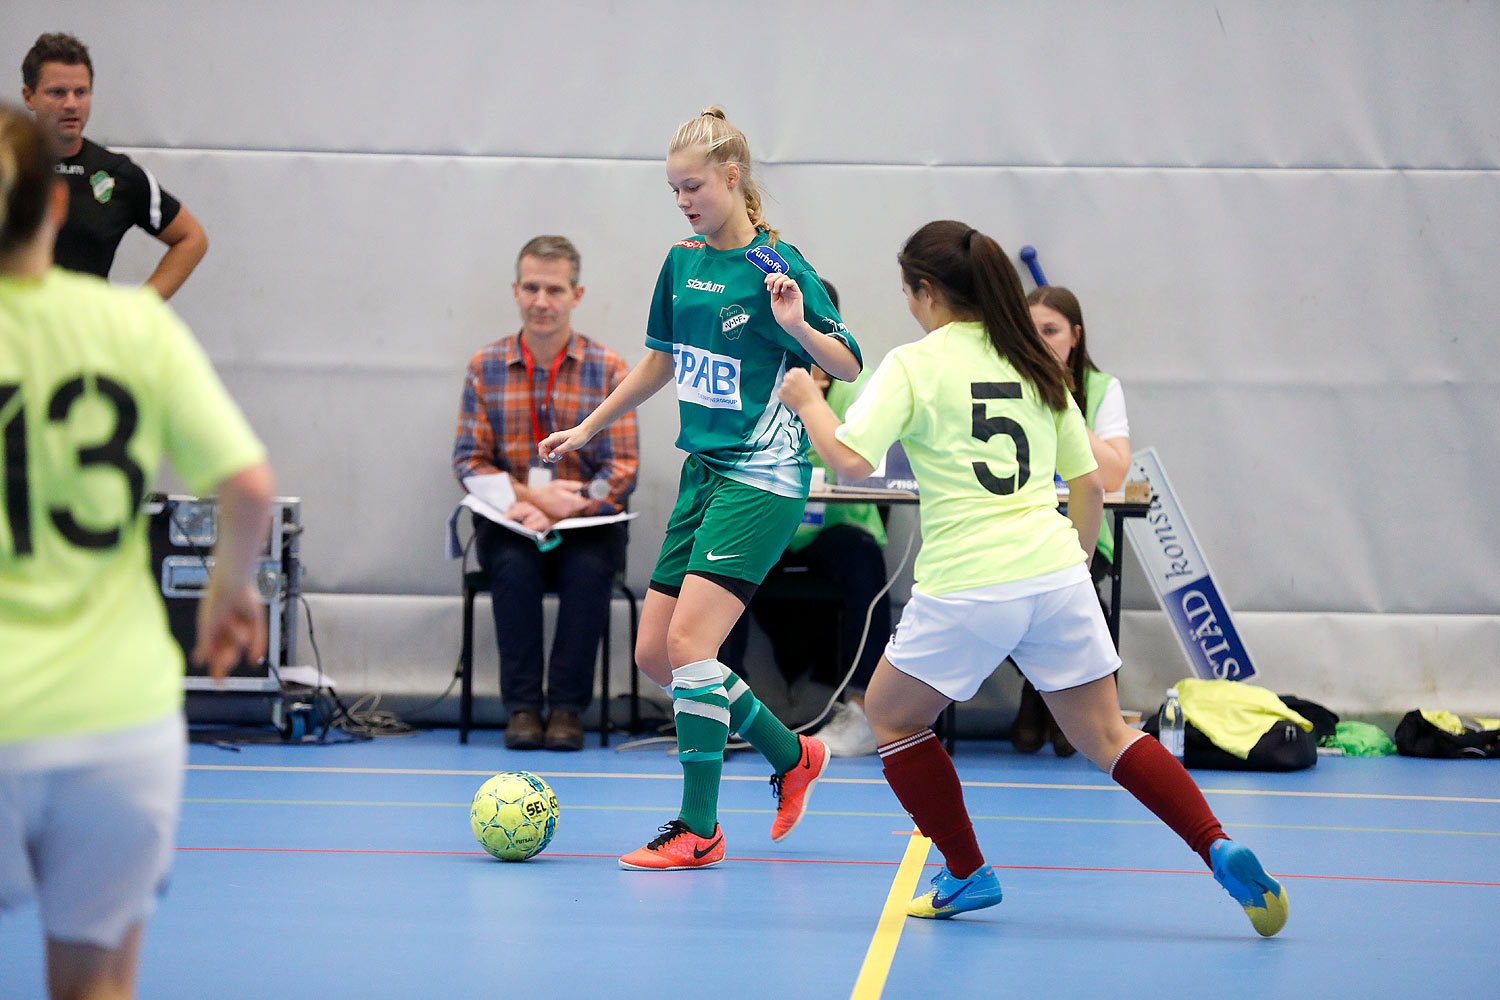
{"x":372,"y":721}
{"x":646,"y":742}
{"x":863,"y":638}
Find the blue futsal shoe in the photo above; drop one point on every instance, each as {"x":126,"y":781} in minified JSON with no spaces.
{"x":1238,"y":871}
{"x":950,"y":895}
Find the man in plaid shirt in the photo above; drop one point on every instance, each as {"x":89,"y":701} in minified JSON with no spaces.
{"x":517,"y":391}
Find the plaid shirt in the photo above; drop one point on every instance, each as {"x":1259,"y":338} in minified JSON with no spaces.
{"x":494,"y":420}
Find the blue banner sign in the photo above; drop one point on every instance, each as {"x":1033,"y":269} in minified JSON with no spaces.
{"x":1183,"y":583}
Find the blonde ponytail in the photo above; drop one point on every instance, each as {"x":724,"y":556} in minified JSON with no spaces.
{"x":722,"y":143}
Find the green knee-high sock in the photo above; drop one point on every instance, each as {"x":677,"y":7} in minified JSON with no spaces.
{"x":759,"y":727}
{"x":701,"y":711}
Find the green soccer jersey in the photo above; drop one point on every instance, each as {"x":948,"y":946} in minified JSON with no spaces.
{"x":711,"y":310}
{"x":96,"y":384}
{"x":1096,"y":384}
{"x":983,"y":448}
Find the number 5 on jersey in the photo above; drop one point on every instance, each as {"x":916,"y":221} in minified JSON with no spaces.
{"x":987,"y":426}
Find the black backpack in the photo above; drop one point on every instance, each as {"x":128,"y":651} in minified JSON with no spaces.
{"x":1286,"y":746}
{"x":1417,"y":737}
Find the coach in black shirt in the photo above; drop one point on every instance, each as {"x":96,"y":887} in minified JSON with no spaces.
{"x":107,"y":192}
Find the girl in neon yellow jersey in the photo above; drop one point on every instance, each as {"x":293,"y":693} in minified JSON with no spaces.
{"x":97,"y":384}
{"x":983,"y":410}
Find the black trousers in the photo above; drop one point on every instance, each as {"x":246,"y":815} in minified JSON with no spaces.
{"x":581,"y":570}
{"x":851,"y":564}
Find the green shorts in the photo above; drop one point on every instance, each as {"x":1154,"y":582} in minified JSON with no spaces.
{"x":723,"y":527}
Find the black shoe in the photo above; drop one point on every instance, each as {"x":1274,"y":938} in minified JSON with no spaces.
{"x":1029,"y":731}
{"x":1061,"y":745}
{"x":564,"y":731}
{"x":524,"y":731}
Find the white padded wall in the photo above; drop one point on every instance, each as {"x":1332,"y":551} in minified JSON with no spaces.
{"x":1280,"y":219}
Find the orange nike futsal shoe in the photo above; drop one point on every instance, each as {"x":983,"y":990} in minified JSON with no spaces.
{"x":676,"y":849}
{"x":792,"y":787}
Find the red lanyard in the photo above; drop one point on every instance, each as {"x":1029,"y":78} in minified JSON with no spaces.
{"x":536,"y":423}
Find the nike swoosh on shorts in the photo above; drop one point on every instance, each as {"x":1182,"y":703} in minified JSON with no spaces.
{"x":713,"y":558}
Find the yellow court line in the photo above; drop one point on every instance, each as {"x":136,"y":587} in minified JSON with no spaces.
{"x":1270,"y":792}
{"x":877,"y":964}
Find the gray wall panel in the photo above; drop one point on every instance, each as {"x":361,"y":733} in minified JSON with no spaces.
{"x":1280,"y":217}
{"x":1316,"y":335}
{"x":1165,"y":81}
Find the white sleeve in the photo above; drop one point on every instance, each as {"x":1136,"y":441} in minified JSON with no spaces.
{"x":1110,"y":421}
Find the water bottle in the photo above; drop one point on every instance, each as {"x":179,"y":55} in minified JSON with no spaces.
{"x":1173,"y":731}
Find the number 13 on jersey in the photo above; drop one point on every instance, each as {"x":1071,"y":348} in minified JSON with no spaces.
{"x":111,"y":452}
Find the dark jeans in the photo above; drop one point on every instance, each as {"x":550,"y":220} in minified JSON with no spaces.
{"x":846,"y":562}
{"x":581,"y":571}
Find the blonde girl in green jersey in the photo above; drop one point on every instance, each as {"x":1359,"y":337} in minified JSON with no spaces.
{"x":735,"y":309}
{"x":97,"y":384}
{"x":983,"y":410}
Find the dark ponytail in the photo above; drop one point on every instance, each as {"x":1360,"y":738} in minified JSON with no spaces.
{"x":975,"y":278}
{"x":26,"y":170}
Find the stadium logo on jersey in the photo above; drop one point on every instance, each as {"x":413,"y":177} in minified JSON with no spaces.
{"x":104,"y":187}
{"x":691,"y":244}
{"x":705,"y":286}
{"x":706,"y":378}
{"x":733,"y":317}
{"x":767,"y":260}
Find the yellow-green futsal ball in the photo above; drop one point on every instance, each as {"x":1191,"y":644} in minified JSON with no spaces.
{"x":514,"y":815}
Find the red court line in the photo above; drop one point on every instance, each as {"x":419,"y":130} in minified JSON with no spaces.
{"x":827,"y":861}
{"x":480,"y":854}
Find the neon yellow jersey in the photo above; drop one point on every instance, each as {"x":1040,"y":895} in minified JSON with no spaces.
{"x":865,"y":516}
{"x":983,"y":448}
{"x":96,"y":384}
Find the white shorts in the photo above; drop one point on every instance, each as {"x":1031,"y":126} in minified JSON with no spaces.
{"x":1057,"y":636}
{"x":93,"y":839}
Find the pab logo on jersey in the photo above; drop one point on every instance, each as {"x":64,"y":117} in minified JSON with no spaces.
{"x":767,"y":260}
{"x":691,"y":244}
{"x":705,"y":286}
{"x":706,"y":378}
{"x":733,"y":317}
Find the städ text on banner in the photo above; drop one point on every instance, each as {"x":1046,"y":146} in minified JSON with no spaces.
{"x":1182,"y":580}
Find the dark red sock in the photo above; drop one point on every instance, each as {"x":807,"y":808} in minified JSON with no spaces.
{"x":921,"y":774}
{"x":1146,"y":770}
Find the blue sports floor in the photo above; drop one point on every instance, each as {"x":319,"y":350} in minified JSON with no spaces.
{"x":349,"y":871}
